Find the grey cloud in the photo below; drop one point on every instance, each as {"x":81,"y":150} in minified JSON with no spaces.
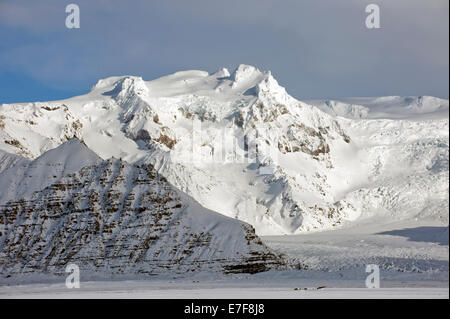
{"x":317,"y":48}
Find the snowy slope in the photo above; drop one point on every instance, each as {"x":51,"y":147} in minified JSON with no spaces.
{"x":8,"y":160}
{"x":115,"y":218}
{"x":405,"y":165}
{"x":24,"y":178}
{"x":386,"y":107}
{"x":240,"y":145}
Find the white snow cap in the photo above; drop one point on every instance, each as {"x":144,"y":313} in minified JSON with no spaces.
{"x":119,"y":86}
{"x":270,"y":84}
{"x":222,"y":73}
{"x":106,"y":83}
{"x":245,"y":72}
{"x":24,"y":179}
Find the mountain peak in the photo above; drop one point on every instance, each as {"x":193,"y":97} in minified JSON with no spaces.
{"x":222,"y":73}
{"x":67,"y":158}
{"x":120,"y":86}
{"x":106,"y":83}
{"x":244,"y":79}
{"x":245,"y":73}
{"x":261,"y":83}
{"x":74,"y":152}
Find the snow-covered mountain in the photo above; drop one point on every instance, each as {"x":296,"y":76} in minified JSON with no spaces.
{"x":387,"y":107}
{"x":24,"y":178}
{"x":111,"y":217}
{"x":240,"y":145}
{"x":8,"y":160}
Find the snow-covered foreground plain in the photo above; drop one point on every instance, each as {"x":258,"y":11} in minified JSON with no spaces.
{"x":135,"y":291}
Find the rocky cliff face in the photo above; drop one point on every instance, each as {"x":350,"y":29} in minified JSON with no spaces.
{"x":117,"y":218}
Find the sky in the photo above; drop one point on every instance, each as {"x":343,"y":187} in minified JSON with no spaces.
{"x":314,"y":48}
